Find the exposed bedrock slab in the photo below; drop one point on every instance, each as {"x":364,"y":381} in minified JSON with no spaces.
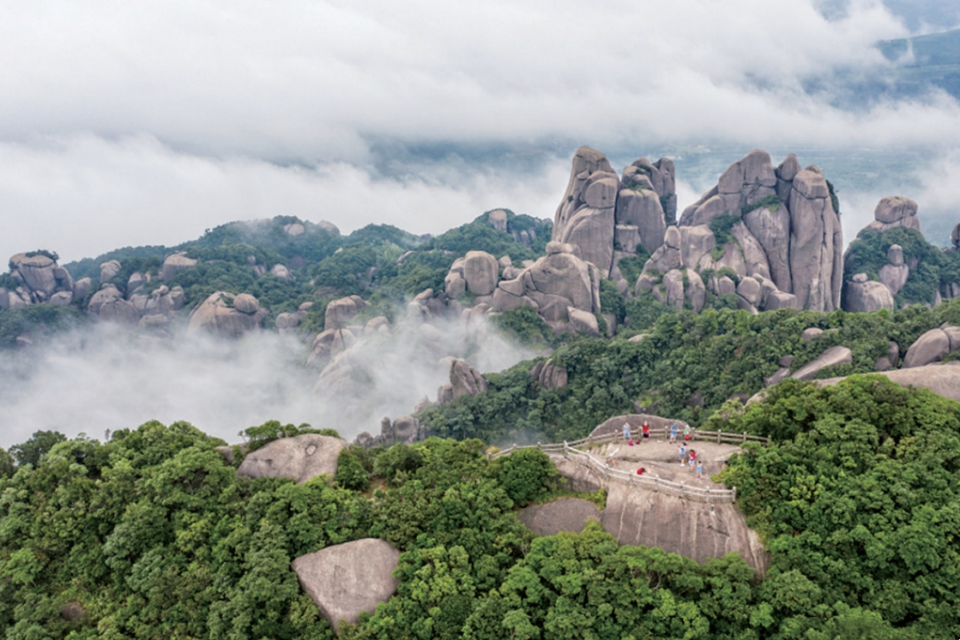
{"x":566,"y":514}
{"x":298,"y":458}
{"x":348,"y":579}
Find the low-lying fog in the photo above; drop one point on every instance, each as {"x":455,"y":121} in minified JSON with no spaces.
{"x":98,"y":378}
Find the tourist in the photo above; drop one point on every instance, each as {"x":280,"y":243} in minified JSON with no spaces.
{"x":700,"y":469}
{"x":645,"y":429}
{"x":686,"y":432}
{"x":626,"y":430}
{"x":693,"y":457}
{"x":673,"y":433}
{"x":683,"y":453}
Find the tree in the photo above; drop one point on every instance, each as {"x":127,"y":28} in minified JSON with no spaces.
{"x":32,"y":450}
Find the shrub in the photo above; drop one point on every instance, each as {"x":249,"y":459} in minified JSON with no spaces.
{"x":350,"y":472}
{"x":526,"y":475}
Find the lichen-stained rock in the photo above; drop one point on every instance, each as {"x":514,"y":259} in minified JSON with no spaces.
{"x":218,"y":314}
{"x":299,"y":458}
{"x":480,"y":272}
{"x":744,"y":183}
{"x":174,"y":264}
{"x":552,"y":284}
{"x":816,"y":243}
{"x":348,"y":579}
{"x":673,"y":284}
{"x":895,"y":211}
{"x":586,"y":215}
{"x":830,"y":357}
{"x":669,"y":255}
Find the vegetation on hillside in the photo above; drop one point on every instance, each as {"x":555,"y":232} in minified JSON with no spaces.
{"x":153,"y":535}
{"x":687,"y":366}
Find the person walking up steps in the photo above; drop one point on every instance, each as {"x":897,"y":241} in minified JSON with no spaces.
{"x":673,"y":433}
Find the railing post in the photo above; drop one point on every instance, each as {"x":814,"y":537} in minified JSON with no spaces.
{"x":718,"y":435}
{"x":538,"y":445}
{"x":565,"y":449}
{"x":656,"y":484}
{"x":682,"y":490}
{"x":734,"y":494}
{"x":744,"y":436}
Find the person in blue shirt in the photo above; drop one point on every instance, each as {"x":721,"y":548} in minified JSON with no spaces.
{"x":673,"y":432}
{"x":626,"y":430}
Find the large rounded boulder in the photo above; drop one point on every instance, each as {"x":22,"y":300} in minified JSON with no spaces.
{"x":348,"y":579}
{"x":299,"y":458}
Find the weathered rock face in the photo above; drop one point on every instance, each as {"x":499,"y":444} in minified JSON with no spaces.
{"x":832,"y":356}
{"x":340,"y":312}
{"x":552,"y":285}
{"x":570,"y":514}
{"x":943,"y":380}
{"x":895,"y":211}
{"x":219,"y":314}
{"x":480,"y":272}
{"x":586,"y":216}
{"x":816,"y":243}
{"x":299,"y":458}
{"x":862,"y":295}
{"x":40,"y":280}
{"x":788,"y":237}
{"x":348,"y":579}
{"x":932,"y":346}
{"x":175,"y":264}
{"x":894,"y":274}
{"x":549,"y":375}
{"x":465,"y":380}
{"x":599,"y":211}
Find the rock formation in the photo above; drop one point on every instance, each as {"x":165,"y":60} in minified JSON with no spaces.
{"x":549,"y":375}
{"x":943,"y":380}
{"x":40,"y":280}
{"x":227,"y":314}
{"x":895,"y":211}
{"x":932,"y":346}
{"x":553,"y":285}
{"x":863,"y":295}
{"x":174,"y":264}
{"x":829,"y":358}
{"x":604,"y":217}
{"x":348,"y":579}
{"x":780,"y":238}
{"x":299,"y":458}
{"x":340,"y":312}
{"x":566,"y":514}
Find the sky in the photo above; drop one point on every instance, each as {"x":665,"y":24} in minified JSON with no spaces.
{"x":129,"y":123}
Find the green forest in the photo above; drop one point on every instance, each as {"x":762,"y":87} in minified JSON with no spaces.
{"x":153,"y":535}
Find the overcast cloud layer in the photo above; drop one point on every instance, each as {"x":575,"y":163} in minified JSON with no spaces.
{"x":133,"y":123}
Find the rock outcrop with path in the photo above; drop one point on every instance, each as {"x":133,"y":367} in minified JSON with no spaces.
{"x":348,"y":579}
{"x":638,"y":516}
{"x":565,"y":514}
{"x":299,"y":458}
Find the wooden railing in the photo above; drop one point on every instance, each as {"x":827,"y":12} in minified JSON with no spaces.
{"x":570,"y":450}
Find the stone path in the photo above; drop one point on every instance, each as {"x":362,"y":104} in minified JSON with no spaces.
{"x":661,"y":458}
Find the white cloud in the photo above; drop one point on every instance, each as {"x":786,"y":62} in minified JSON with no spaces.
{"x":83,"y":195}
{"x":96,"y":379}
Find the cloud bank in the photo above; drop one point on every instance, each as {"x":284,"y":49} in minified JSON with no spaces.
{"x":123,"y":123}
{"x":100,"y":378}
